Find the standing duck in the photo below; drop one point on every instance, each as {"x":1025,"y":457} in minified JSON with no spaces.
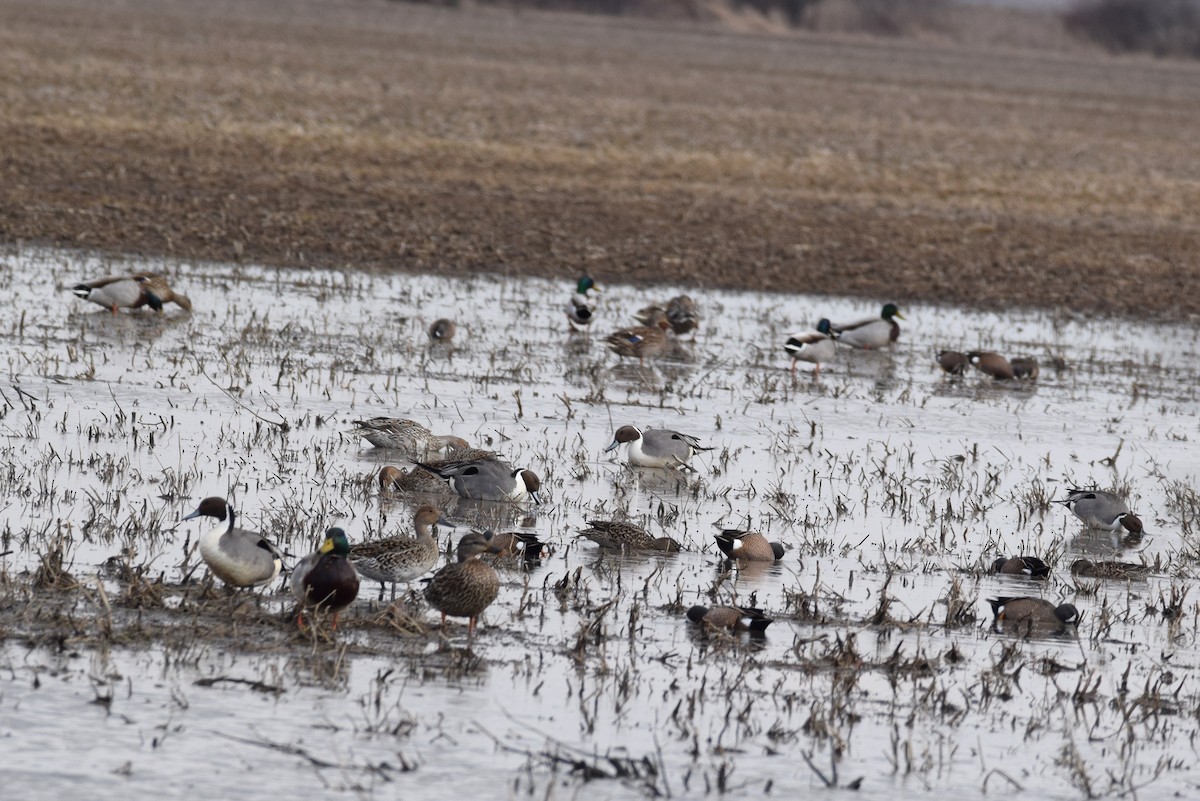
{"x":873,"y":332}
{"x":1103,"y":510}
{"x":467,"y":587}
{"x":639,"y":341}
{"x":238,"y":557}
{"x":131,"y":292}
{"x":656,"y":447}
{"x":396,"y":559}
{"x":813,"y":347}
{"x":581,"y":308}
{"x":326,"y":579}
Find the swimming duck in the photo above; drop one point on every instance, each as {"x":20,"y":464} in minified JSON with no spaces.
{"x":953,"y":362}
{"x":1103,"y":510}
{"x":238,"y":557}
{"x":467,"y":587}
{"x":512,"y":544}
{"x":580,"y":309}
{"x":1109,"y":570}
{"x":616,"y":535}
{"x":1021,"y":566}
{"x":487,"y":479}
{"x":873,"y":332}
{"x":415,"y":480}
{"x":1032,"y":616}
{"x":748,"y":546}
{"x":131,"y":292}
{"x":638,"y":341}
{"x":656,"y":447}
{"x":396,"y":559}
{"x":326,"y":579}
{"x":730,"y":618}
{"x":813,"y":347}
{"x":405,"y":435}
{"x":679,"y":313}
{"x":442,"y":330}
{"x":1025,"y":367}
{"x":992,"y":364}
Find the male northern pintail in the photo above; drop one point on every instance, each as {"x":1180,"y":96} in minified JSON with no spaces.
{"x":1021,"y":566}
{"x":238,"y":557}
{"x":679,"y":313}
{"x":581,"y":310}
{"x":873,"y":332}
{"x":131,"y":292}
{"x":617,"y":535}
{"x":442,"y":330}
{"x":1031,"y":617}
{"x":730,"y":618}
{"x":990,"y":363}
{"x":466,"y":587}
{"x":326,"y":579}
{"x":405,"y":435}
{"x":489,"y":479}
{"x":396,"y":559}
{"x":748,"y":546}
{"x":813,"y":347}
{"x":656,"y":447}
{"x":1102,"y":509}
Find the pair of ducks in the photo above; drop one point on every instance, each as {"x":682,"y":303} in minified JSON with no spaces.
{"x":327,"y":579}
{"x":736,"y":544}
{"x":988,"y":363}
{"x":820,"y":346}
{"x":1026,"y":616}
{"x":471,"y":472}
{"x":131,"y":291}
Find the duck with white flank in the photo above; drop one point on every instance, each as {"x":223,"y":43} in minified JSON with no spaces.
{"x":656,"y":447}
{"x":238,"y":557}
{"x":873,"y":332}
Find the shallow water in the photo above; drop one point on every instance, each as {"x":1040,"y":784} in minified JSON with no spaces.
{"x":883,"y":479}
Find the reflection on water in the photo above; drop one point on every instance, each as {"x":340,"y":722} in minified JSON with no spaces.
{"x":892,"y":487}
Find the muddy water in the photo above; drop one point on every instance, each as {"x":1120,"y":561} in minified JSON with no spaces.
{"x":892,"y":488}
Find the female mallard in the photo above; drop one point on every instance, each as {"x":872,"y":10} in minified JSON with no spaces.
{"x":679,"y":313}
{"x":238,"y":557}
{"x":467,"y":587}
{"x":748,"y":546}
{"x":131,"y":292}
{"x":616,"y":535}
{"x":873,"y":332}
{"x":405,"y":435}
{"x":396,"y":559}
{"x":638,"y":341}
{"x":813,"y":347}
{"x":656,"y":447}
{"x":326,"y":579}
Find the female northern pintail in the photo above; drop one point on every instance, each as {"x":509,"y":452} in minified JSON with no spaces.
{"x":415,"y":480}
{"x":617,"y":535}
{"x":992,"y":364}
{"x":679,"y":313}
{"x":813,"y":347}
{"x":405,"y":435}
{"x":131,"y":292}
{"x":873,"y":332}
{"x":656,"y":447}
{"x":580,"y":309}
{"x":466,"y":587}
{"x":1101,"y":509}
{"x":1031,"y":616}
{"x":238,"y":557}
{"x":326,"y":579}
{"x":1109,"y":570}
{"x":396,"y":559}
{"x":442,"y":330}
{"x":730,"y":618}
{"x":489,"y":479}
{"x":748,"y":546}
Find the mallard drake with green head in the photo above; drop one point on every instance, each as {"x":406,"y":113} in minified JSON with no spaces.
{"x":131,"y":291}
{"x":872,"y":332}
{"x":814,"y":347}
{"x":326,"y":579}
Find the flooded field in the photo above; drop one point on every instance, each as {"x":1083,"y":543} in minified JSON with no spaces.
{"x":892,"y":488}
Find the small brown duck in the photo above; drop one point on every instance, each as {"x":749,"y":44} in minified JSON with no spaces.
{"x":992,"y":364}
{"x":618,"y":535}
{"x":748,"y":546}
{"x":1025,"y":367}
{"x":953,"y":362}
{"x":679,"y":312}
{"x":730,"y":618}
{"x":1032,"y":616}
{"x":406,"y":435}
{"x":1021,"y":566}
{"x":442,"y":330}
{"x":415,"y":480}
{"x":639,"y":341}
{"x":513,"y":545}
{"x":1086,"y":568}
{"x":467,"y":587}
{"x":326,"y":579}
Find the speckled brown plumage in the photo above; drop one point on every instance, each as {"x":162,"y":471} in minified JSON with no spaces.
{"x":617,"y":535}
{"x":467,"y":587}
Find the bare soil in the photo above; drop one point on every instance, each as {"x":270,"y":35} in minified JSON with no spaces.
{"x":393,"y":136}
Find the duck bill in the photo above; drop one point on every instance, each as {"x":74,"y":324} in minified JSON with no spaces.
{"x":535,"y":498}
{"x":193,"y":515}
{"x":613,"y":446}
